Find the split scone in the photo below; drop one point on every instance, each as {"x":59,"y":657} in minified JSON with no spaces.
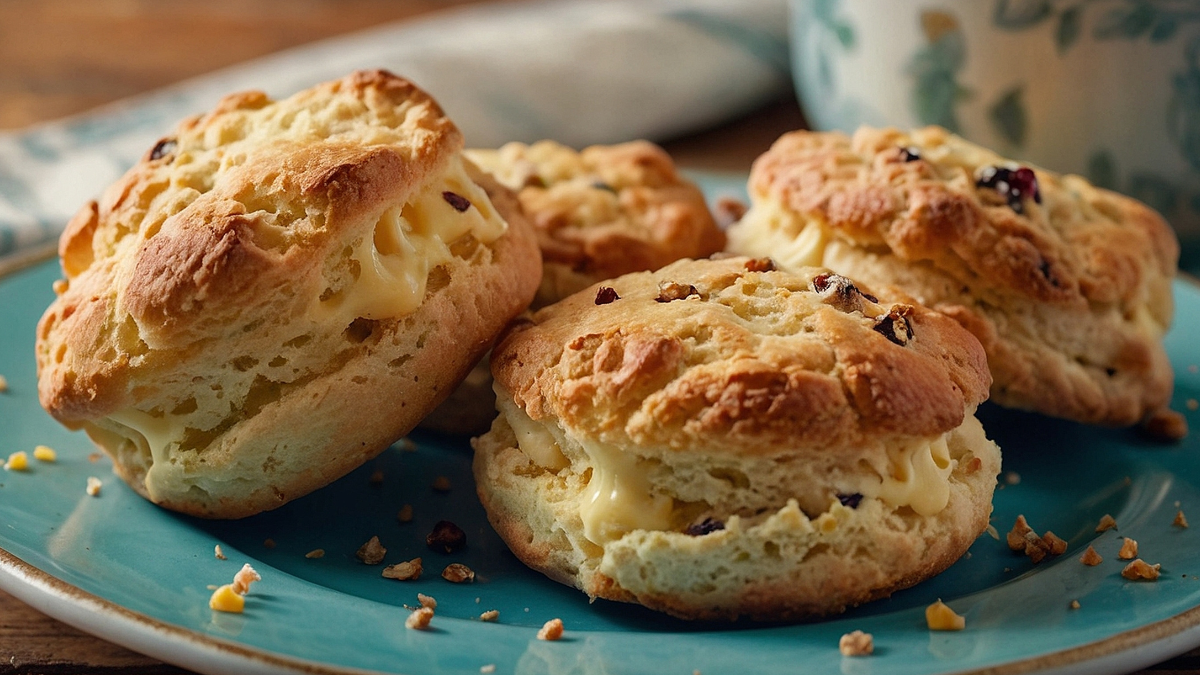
{"x":279,"y":291}
{"x":1067,"y":286}
{"x":717,"y":439}
{"x":599,"y":213}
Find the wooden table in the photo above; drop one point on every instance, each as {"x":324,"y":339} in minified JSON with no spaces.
{"x":59,"y":57}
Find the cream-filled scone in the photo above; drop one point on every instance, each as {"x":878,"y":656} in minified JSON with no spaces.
{"x":599,"y":213}
{"x":1067,"y":286}
{"x":278,"y":291}
{"x":718,"y":439}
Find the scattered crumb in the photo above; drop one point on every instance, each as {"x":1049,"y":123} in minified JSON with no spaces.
{"x":1165,"y":426}
{"x":856,"y":643}
{"x":404,"y":571}
{"x":1106,"y":523}
{"x":1090,"y":557}
{"x":3,"y":384}
{"x":1192,"y":404}
{"x":1058,"y":545}
{"x":94,"y":457}
{"x":1074,"y":604}
{"x":315,"y":554}
{"x":211,"y":587}
{"x":405,"y":515}
{"x":269,"y":543}
{"x":372,"y":552}
{"x":243,"y":579}
{"x":1129,"y":550}
{"x":419,"y":619}
{"x":1018,"y":534}
{"x":427,"y":601}
{"x":225,"y":599}
{"x":939,"y":616}
{"x":219,"y":553}
{"x":526,"y":610}
{"x":477,"y":600}
{"x":44,"y":453}
{"x":1022,"y":538}
{"x":441,"y":484}
{"x":93,"y":486}
{"x":407,"y":445}
{"x":1180,"y":520}
{"x":992,"y":532}
{"x":18,"y":461}
{"x":446,"y":537}
{"x":1012,"y":478}
{"x":1140,"y":569}
{"x":552,"y":630}
{"x":376,"y":478}
{"x":490,"y":615}
{"x":458,"y":573}
{"x":489,"y":668}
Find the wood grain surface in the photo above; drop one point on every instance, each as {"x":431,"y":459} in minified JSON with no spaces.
{"x":60,"y":57}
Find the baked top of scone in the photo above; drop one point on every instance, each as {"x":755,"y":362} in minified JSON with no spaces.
{"x":735,"y":355}
{"x":1011,"y":250}
{"x":720,"y":439}
{"x":603,"y":211}
{"x":262,"y":263}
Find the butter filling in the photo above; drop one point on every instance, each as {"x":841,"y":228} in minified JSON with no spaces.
{"x":393,"y":264}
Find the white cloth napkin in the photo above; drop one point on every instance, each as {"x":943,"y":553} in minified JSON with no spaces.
{"x":580,"y":72}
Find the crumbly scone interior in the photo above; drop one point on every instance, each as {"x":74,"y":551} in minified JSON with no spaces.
{"x":370,"y":278}
{"x":1030,"y":337}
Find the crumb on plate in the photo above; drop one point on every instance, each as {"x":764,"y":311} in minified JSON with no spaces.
{"x":939,"y":616}
{"x":856,"y":643}
{"x":551,"y":630}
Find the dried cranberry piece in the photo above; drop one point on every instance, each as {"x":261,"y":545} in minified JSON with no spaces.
{"x":851,"y":500}
{"x":1014,"y":185}
{"x":459,"y":202}
{"x":706,"y":526}
{"x":163,"y":148}
{"x":838,"y":291}
{"x":605,"y":295}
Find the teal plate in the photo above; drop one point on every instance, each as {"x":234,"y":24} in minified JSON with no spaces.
{"x":116,"y":566}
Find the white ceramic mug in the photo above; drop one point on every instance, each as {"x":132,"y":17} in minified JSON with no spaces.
{"x":1109,"y":89}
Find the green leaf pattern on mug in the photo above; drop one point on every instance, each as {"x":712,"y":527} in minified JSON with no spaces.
{"x":1008,"y":116}
{"x":1156,"y":191}
{"x":836,"y":32}
{"x":935,"y":70}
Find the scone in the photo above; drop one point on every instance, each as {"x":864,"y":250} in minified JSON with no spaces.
{"x":716,"y":440}
{"x":1067,"y":286}
{"x":603,"y":212}
{"x":279,"y":291}
{"x":599,"y":213}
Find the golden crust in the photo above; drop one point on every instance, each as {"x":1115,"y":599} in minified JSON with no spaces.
{"x":605,"y":211}
{"x":196,"y":296}
{"x":1070,"y":296}
{"x":752,"y":359}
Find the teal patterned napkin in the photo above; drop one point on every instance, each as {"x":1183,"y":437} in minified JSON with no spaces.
{"x":580,"y":72}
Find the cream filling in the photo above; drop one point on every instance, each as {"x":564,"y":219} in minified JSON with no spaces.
{"x":620,"y":499}
{"x":767,"y":231}
{"x":153,"y":435}
{"x":409,"y":241}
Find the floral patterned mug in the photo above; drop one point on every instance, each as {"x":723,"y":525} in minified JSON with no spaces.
{"x":1109,"y":89}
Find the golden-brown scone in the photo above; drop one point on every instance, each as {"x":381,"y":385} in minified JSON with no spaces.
{"x":600,"y":213}
{"x":1067,"y":286}
{"x":279,"y":291}
{"x":603,"y":212}
{"x":713,"y":440}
